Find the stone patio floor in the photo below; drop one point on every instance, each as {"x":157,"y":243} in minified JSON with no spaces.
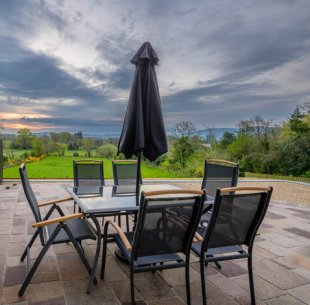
{"x":281,"y":263}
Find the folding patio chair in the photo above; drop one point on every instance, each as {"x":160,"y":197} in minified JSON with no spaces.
{"x":236,"y":217}
{"x":217,"y":174}
{"x":88,"y":177}
{"x":64,"y":229}
{"x":162,"y":239}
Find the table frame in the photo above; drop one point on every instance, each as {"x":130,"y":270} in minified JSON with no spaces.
{"x":101,"y":205}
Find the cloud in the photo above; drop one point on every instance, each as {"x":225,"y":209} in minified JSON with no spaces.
{"x":220,"y":61}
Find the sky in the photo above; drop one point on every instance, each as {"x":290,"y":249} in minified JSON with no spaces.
{"x":65,"y":64}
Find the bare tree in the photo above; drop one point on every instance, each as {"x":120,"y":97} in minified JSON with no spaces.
{"x":258,"y":128}
{"x":183,"y":129}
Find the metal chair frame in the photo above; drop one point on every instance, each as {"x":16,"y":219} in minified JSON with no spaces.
{"x":115,"y":165}
{"x":222,"y":163}
{"x":232,"y":182}
{"x":41,"y":230}
{"x":93,"y":187}
{"x":130,"y":249}
{"x":245,"y":250}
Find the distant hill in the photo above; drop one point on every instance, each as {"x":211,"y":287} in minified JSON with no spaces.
{"x":203,"y":133}
{"x":217,"y":132}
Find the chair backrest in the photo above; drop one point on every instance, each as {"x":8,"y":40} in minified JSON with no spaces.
{"x":125,"y":176}
{"x":32,"y":201}
{"x":88,"y":173}
{"x":237,"y":215}
{"x":167,"y":222}
{"x":219,"y":174}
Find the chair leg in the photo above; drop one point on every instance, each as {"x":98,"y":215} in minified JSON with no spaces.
{"x":104,"y":254}
{"x":127,"y":222}
{"x":188,"y":287}
{"x":132,"y":286}
{"x":38,"y":261}
{"x":203,"y":284}
{"x":218,"y":265}
{"x":251,"y":279}
{"x":33,"y":238}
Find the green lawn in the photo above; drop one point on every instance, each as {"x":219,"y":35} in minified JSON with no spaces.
{"x":17,"y":153}
{"x":55,"y":167}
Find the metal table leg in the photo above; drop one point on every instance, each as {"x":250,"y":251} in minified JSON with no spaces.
{"x":95,"y":262}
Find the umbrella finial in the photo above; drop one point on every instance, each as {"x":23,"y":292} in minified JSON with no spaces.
{"x":145,"y":52}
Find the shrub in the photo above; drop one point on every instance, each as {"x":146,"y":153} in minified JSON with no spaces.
{"x":106,"y":151}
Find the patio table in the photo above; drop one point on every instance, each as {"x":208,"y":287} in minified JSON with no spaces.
{"x":104,"y":204}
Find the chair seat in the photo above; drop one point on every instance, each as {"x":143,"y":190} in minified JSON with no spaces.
{"x":79,"y":228}
{"x":196,"y":247}
{"x":206,"y":217}
{"x":145,"y":260}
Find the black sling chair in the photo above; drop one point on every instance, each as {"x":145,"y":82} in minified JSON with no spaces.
{"x":166,"y":226}
{"x":125,"y":182}
{"x":218,"y":174}
{"x":70,"y":228}
{"x":88,"y":177}
{"x":230,"y":233}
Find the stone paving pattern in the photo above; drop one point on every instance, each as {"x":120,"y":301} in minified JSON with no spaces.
{"x":281,"y":264}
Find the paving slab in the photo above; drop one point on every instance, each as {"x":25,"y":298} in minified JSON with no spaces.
{"x":284,"y":299}
{"x":101,"y":294}
{"x":281,"y":264}
{"x":301,"y":293}
{"x":226,"y":284}
{"x":303,"y":272}
{"x":278,"y":275}
{"x":215,"y":296}
{"x":299,"y":231}
{"x":263,"y":289}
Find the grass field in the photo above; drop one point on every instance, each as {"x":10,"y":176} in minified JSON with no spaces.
{"x":17,"y":153}
{"x":55,"y":167}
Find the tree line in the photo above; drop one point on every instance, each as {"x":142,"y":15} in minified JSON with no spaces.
{"x":257,"y":144}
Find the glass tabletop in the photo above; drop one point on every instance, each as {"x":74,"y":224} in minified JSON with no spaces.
{"x":105,"y":203}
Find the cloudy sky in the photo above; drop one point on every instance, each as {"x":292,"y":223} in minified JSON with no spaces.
{"x":65,"y":64}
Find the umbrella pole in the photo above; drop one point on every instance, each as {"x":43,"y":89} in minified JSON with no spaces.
{"x":138,"y":174}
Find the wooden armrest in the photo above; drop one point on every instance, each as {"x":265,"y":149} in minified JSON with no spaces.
{"x":246,"y":188}
{"x":121,"y":235}
{"x":221,"y":161}
{"x":55,"y":201}
{"x":197,"y":238}
{"x":174,"y":192}
{"x":56,"y":220}
{"x":124,"y":161}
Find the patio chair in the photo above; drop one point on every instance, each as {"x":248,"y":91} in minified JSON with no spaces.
{"x":232,"y":228}
{"x":125,"y":177}
{"x":88,"y":177}
{"x":217,"y":174}
{"x":64,"y":229}
{"x":125,"y":182}
{"x":162,"y":239}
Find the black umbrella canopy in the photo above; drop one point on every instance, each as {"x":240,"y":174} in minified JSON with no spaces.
{"x":143,"y":128}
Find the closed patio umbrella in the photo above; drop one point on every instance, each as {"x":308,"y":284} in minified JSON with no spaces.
{"x":143,"y":129}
